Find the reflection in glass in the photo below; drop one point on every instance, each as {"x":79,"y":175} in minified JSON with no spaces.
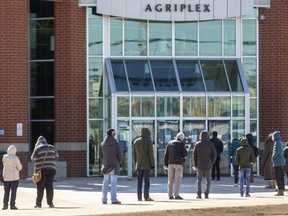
{"x":194,"y":107}
{"x":95,"y":77}
{"x":233,"y":75}
{"x":214,"y":75}
{"x":238,"y":129}
{"x":164,"y":75}
{"x":123,"y":137}
{"x":229,"y":37}
{"x":139,"y":75}
{"x":143,"y":107}
{"x":250,"y":69}
{"x":219,"y":107}
{"x":168,"y":106}
{"x":253,"y":108}
{"x":186,"y":34}
{"x":96,"y":108}
{"x":249,"y":37}
{"x":42,"y":78}
{"x":95,"y":36}
{"x":41,"y":39}
{"x":95,"y":138}
{"x":123,"y":106}
{"x":210,"y":38}
{"x":119,"y":75}
{"x":116,"y":41}
{"x":135,"y":38}
{"x":160,"y":41}
{"x":238,"y":106}
{"x":190,"y":75}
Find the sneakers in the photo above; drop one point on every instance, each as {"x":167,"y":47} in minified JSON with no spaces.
{"x":104,"y":202}
{"x":37,"y":206}
{"x":171,"y":197}
{"x":178,"y":198}
{"x":248,"y":195}
{"x":13,"y":208}
{"x":198,"y":196}
{"x":140,"y":199}
{"x":5,"y":207}
{"x":51,"y":206}
{"x":116,"y":202}
{"x":149,"y":199}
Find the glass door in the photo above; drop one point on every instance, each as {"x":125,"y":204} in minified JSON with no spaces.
{"x":223,"y":129}
{"x":166,"y":131}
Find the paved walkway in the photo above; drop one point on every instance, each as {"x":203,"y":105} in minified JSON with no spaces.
{"x":82,"y":196}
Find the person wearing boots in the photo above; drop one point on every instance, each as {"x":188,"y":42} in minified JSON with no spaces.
{"x":204,"y":156}
{"x":218,"y":144}
{"x":245,"y":157}
{"x":267,"y":163}
{"x":278,"y":161}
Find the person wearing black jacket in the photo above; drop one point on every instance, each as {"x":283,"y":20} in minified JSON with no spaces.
{"x":218,"y":144}
{"x":174,"y":158}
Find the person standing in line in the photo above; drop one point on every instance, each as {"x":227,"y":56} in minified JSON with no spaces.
{"x":267,"y":163}
{"x":285,"y":153}
{"x":218,"y":144}
{"x":245,"y":157}
{"x":174,"y":158}
{"x":204,"y":157}
{"x":144,"y":162}
{"x":234,"y":145}
{"x":278,"y":161}
{"x":249,"y":137}
{"x":11,"y":168}
{"x":111,"y":155}
{"x":45,"y":156}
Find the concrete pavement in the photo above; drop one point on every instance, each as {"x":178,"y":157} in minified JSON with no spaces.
{"x":82,"y":196}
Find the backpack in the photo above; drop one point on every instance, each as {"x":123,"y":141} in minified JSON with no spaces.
{"x":256,"y":151}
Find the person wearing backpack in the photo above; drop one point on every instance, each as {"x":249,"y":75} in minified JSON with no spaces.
{"x":218,"y":144}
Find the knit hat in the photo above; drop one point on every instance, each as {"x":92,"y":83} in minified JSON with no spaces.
{"x":110,"y":131}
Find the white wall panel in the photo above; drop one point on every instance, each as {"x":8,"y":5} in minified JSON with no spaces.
{"x":148,"y":15}
{"x":192,"y":15}
{"x":179,"y":15}
{"x":221,"y":10}
{"x":135,"y":9}
{"x":206,"y":15}
{"x":118,"y":8}
{"x":234,"y":8}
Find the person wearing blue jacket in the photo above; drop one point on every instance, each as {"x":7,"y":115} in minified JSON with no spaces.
{"x":278,"y":161}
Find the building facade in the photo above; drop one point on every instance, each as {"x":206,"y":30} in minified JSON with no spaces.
{"x":73,"y":69}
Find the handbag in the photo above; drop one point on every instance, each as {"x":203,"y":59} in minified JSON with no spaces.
{"x":37,"y":175}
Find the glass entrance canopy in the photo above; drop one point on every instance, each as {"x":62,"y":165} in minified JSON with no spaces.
{"x":173,"y":75}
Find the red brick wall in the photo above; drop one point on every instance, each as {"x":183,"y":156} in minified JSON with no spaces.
{"x":273,"y":70}
{"x":70,"y":81}
{"x":13,"y":69}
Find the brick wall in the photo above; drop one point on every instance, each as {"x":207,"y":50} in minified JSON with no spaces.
{"x":14,"y":70}
{"x":273,"y":70}
{"x":70,"y":82}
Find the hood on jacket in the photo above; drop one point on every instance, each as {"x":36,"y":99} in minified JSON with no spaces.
{"x":145,"y":133}
{"x":204,"y":135}
{"x":244,"y":142}
{"x":180,"y":136}
{"x":276,"y":135}
{"x":12,"y":150}
{"x":41,"y":140}
{"x":215,"y":134}
{"x":249,"y":137}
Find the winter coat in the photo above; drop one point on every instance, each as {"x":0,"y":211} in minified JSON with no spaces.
{"x":110,"y":154}
{"x":255,"y":149}
{"x":277,"y":154}
{"x":204,"y":154}
{"x":233,"y":147}
{"x":143,"y":153}
{"x":268,"y":169}
{"x":11,"y":165}
{"x":218,"y":144}
{"x":39,"y":152}
{"x":175,"y":152}
{"x":245,"y":155}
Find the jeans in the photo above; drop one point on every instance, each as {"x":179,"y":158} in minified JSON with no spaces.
{"x":175,"y":173}
{"x":200,"y":174}
{"x":245,"y":172}
{"x":46,"y":182}
{"x":236,"y":173}
{"x":216,"y":167}
{"x":10,"y":186}
{"x":279,"y":177}
{"x":113,"y":178}
{"x":140,"y":175}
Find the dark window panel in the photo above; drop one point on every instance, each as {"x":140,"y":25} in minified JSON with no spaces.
{"x":42,"y":108}
{"x":119,"y":74}
{"x":45,"y":129}
{"x":41,"y":9}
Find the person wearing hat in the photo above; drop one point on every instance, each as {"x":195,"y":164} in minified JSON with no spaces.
{"x":245,"y":158}
{"x":111,"y":155}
